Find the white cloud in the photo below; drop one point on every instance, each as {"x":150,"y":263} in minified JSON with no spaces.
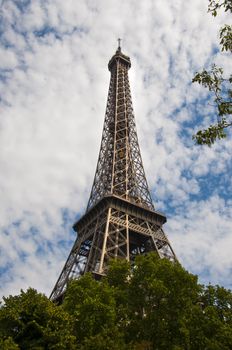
{"x":8,"y":59}
{"x":53,"y":103}
{"x":202,"y":235}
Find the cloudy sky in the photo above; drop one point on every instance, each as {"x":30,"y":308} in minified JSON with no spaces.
{"x":53,"y":88}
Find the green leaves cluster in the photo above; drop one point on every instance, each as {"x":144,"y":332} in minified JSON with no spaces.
{"x":155,"y":304}
{"x":31,"y":321}
{"x":226,"y":38}
{"x":216,"y":83}
{"x":215,"y":5}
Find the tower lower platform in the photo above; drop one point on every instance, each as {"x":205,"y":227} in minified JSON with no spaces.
{"x":113,"y":228}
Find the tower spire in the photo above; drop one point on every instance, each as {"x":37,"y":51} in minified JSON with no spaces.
{"x":120,"y":219}
{"x":119,"y":169}
{"x":119,"y":44}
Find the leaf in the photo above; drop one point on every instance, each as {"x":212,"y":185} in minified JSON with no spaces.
{"x":210,"y":135}
{"x":226,"y":38}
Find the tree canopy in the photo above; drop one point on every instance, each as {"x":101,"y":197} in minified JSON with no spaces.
{"x":154,"y":304}
{"x":217,"y":84}
{"x":31,"y":321}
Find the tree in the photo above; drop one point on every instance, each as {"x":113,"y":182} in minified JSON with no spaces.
{"x":210,"y":325}
{"x":92,"y":305}
{"x":154,"y":304}
{"x":217,"y":84}
{"x":8,"y":344}
{"x":31,"y":321}
{"x":160,"y":295}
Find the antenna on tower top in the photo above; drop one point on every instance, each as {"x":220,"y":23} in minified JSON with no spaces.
{"x":119,"y":44}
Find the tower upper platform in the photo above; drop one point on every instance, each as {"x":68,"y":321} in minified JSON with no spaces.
{"x":119,"y":56}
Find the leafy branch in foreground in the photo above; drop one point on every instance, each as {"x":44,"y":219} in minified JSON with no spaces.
{"x":215,"y":5}
{"x":226,"y":38}
{"x":220,"y":86}
{"x":216,"y":84}
{"x":208,"y":136}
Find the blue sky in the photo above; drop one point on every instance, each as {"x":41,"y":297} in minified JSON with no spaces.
{"x":53,"y":89}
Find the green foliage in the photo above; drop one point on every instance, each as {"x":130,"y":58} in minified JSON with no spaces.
{"x":8,"y":344}
{"x":154,"y":304}
{"x":210,"y":326}
{"x":107,"y":339}
{"x":92,"y":305}
{"x":208,"y":136}
{"x":218,"y":85}
{"x":215,"y":5}
{"x":32,"y":321}
{"x":211,"y":80}
{"x":160,"y":295}
{"x":226,"y":38}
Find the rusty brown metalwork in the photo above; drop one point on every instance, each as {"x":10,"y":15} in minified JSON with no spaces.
{"x":120,"y":219}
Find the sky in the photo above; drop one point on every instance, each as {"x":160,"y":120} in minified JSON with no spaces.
{"x":53,"y":89}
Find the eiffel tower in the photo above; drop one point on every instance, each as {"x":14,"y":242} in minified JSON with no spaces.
{"x":120,"y":220}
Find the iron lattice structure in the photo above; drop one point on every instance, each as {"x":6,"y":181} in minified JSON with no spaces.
{"x":120,"y":219}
